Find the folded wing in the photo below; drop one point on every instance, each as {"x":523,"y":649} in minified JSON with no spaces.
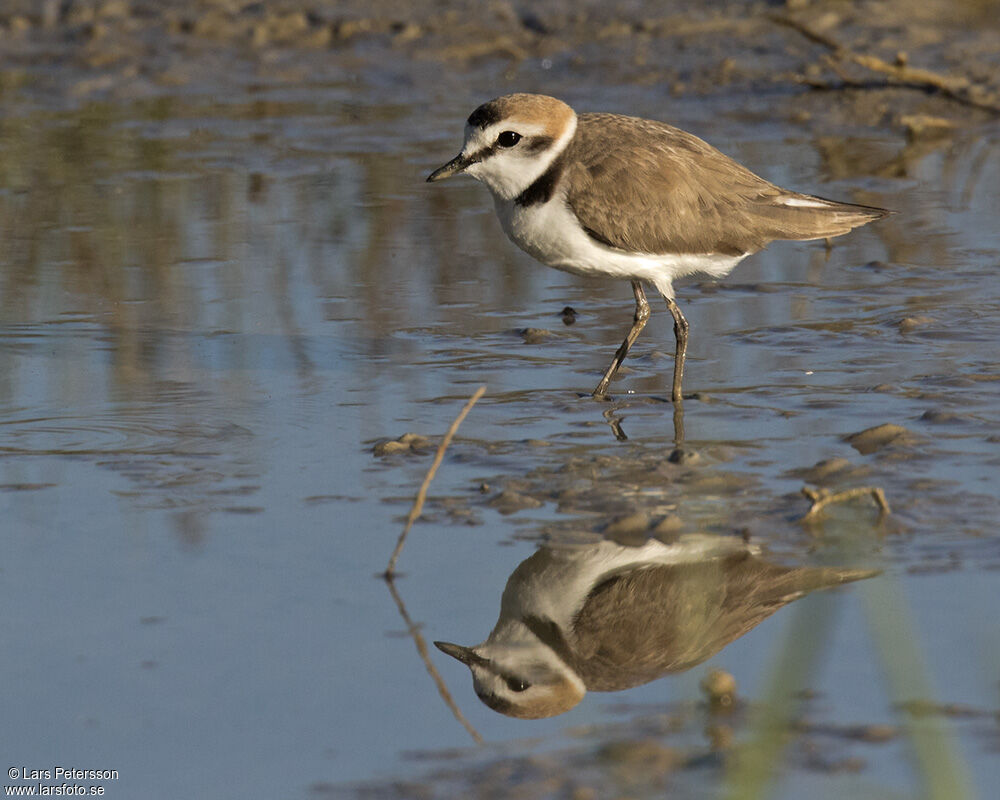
{"x":660,"y":190}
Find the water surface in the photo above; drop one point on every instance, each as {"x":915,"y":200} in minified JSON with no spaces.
{"x":211,"y":310}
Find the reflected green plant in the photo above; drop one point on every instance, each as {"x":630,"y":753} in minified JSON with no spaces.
{"x":945,"y":776}
{"x":798,"y":657}
{"x":795,"y":660}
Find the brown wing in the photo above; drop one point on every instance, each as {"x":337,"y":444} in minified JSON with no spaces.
{"x":640,"y":625}
{"x":646,"y":186}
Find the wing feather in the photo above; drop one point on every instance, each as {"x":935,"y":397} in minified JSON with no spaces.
{"x":641,"y":624}
{"x":648,"y":187}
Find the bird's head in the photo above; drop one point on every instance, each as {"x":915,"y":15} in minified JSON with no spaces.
{"x":519,"y":680}
{"x":511,"y":141}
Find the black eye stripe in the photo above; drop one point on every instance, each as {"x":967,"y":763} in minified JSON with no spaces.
{"x":534,"y":144}
{"x":531,"y":145}
{"x":482,"y":155}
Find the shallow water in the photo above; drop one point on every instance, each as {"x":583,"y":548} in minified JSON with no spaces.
{"x":211,"y":311}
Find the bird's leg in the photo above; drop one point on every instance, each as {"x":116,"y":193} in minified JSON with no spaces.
{"x":678,"y":425}
{"x":680,"y":353}
{"x":615,"y":423}
{"x":638,"y":323}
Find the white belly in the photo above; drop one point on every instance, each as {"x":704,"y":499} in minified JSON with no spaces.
{"x":551,"y":233}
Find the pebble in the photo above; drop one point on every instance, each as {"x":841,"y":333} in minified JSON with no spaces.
{"x":924,"y":126}
{"x":533,"y":335}
{"x":668,"y":528}
{"x":719,"y":688}
{"x":510,"y":502}
{"x":908,"y":324}
{"x":631,"y":529}
{"x":828,"y":471}
{"x":938,"y":417}
{"x":680,"y":455}
{"x":872,"y":439}
{"x":387,"y":448}
{"x":408,"y":442}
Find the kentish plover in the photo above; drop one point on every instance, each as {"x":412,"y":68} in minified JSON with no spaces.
{"x":618,"y":196}
{"x":603,"y":617}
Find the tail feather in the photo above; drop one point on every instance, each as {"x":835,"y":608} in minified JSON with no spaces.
{"x":802,"y":217}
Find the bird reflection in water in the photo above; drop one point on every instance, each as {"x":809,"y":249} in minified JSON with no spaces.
{"x":604,"y":617}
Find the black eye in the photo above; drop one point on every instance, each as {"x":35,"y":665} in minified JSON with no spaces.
{"x":516,"y":684}
{"x":508,"y":139}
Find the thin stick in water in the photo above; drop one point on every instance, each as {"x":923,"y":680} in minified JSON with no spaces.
{"x":821,"y":498}
{"x":418,"y":640}
{"x":418,"y":503}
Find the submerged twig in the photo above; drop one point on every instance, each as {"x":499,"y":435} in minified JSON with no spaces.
{"x":418,"y":640}
{"x":418,"y":503}
{"x":899,"y":74}
{"x":821,"y":498}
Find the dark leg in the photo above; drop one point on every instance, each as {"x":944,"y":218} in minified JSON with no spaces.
{"x":615,"y":423}
{"x":638,"y":323}
{"x":678,"y":424}
{"x":681,"y":336}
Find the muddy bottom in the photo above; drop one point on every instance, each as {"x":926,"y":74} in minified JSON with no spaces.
{"x":235,"y":324}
